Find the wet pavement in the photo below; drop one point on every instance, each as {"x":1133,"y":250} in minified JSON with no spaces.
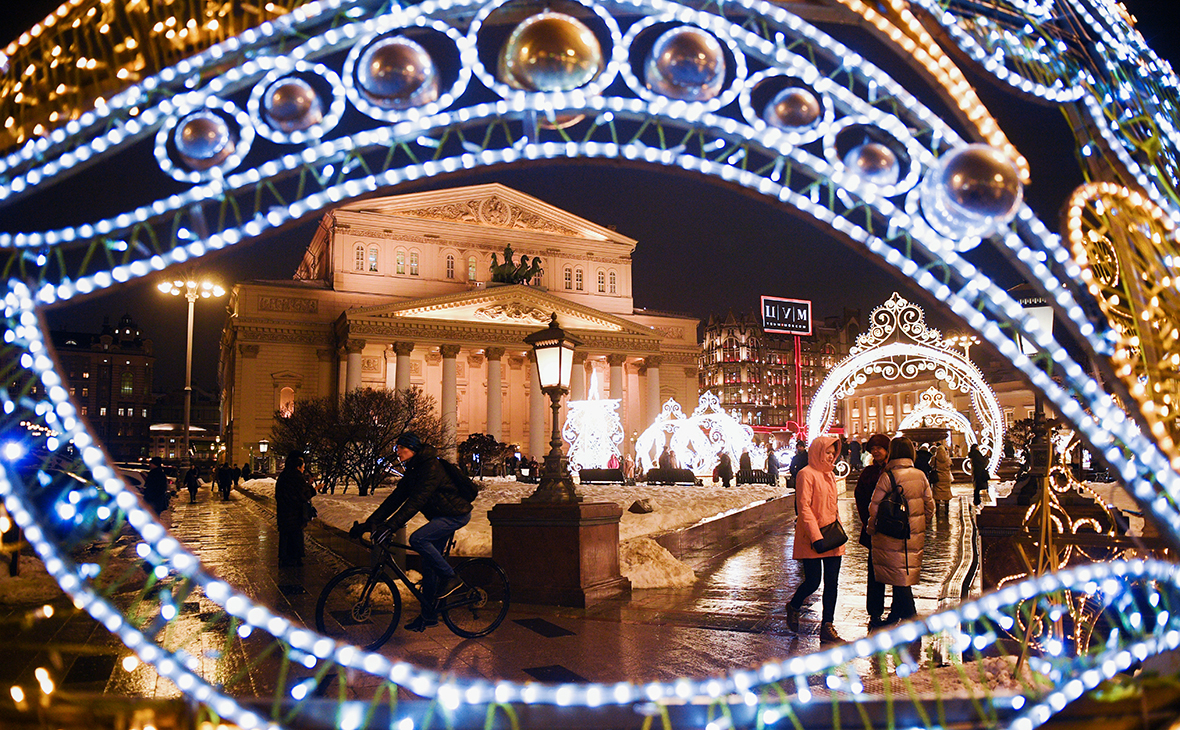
{"x":732,"y":617}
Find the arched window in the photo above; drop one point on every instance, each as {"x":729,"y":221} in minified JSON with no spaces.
{"x":569,"y":278}
{"x":401,"y":261}
{"x":450,"y":266}
{"x":613,"y":283}
{"x":578,"y":279}
{"x":413,"y":263}
{"x":287,"y":401}
{"x":127,"y":384}
{"x":601,"y":281}
{"x":359,"y":261}
{"x":470,"y":268}
{"x":373,"y":257}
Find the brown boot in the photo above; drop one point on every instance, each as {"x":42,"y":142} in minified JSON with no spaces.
{"x":792,"y":617}
{"x":828,"y":635}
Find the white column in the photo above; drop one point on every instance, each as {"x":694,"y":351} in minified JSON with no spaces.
{"x":616,"y":361}
{"x":403,"y":350}
{"x":341,"y":371}
{"x":578,"y":377}
{"x":450,"y":396}
{"x":653,"y":389}
{"x":390,"y":368}
{"x":538,"y":434}
{"x":495,"y":393}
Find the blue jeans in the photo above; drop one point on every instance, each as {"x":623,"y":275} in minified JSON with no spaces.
{"x":429,"y":540}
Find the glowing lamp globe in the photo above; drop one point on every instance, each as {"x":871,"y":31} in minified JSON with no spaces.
{"x":794,"y":109}
{"x":686,"y":63}
{"x":972,"y":191}
{"x":203,"y":140}
{"x":874,"y":162}
{"x":553,"y":349}
{"x":551,"y":52}
{"x":291,"y":105}
{"x":397,"y":73}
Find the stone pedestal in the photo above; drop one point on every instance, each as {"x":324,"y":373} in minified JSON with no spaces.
{"x":564,"y":554}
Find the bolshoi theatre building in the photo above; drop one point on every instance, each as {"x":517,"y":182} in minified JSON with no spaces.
{"x":396,"y":292}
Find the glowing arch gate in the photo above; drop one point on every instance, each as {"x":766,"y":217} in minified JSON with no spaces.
{"x":898,"y":345}
{"x":259,"y":170}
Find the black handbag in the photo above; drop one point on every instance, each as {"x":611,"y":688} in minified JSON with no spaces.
{"x":893,"y":513}
{"x":832,"y":536}
{"x":309,"y":512}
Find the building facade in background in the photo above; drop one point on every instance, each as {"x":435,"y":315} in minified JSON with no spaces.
{"x":398,"y":291}
{"x":167,"y":429}
{"x":762,"y":377}
{"x":109,"y":377}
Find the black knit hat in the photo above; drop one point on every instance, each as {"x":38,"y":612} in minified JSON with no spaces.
{"x":410,"y":440}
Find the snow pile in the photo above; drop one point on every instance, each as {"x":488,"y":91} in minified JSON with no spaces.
{"x":648,"y":565}
{"x":33,"y":585}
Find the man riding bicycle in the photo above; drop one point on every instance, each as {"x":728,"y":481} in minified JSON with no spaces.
{"x":426,"y":488}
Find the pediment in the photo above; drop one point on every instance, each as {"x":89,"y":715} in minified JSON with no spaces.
{"x":516,"y":305}
{"x":490,"y":206}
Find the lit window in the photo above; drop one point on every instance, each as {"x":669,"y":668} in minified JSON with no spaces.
{"x":401,"y":261}
{"x":601,"y":281}
{"x":613,"y":283}
{"x":85,"y":392}
{"x":120,"y":411}
{"x":470,"y":268}
{"x":413,"y":263}
{"x":84,"y":410}
{"x":578,"y":279}
{"x":145,"y":413}
{"x":127,"y":385}
{"x":450,"y":266}
{"x":359,"y":264}
{"x":102,"y":410}
{"x":569,"y":278}
{"x":372,"y":258}
{"x":287,"y":401}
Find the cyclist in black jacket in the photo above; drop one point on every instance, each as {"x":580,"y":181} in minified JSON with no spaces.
{"x":426,"y":488}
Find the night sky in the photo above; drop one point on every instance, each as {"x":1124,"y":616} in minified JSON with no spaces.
{"x":702,"y":248}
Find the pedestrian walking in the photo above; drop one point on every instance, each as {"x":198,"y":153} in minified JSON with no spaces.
{"x":771,"y":464}
{"x":941,"y":463}
{"x":236,"y":473}
{"x":192,"y":483}
{"x":725,"y":469}
{"x":898,"y":562}
{"x":225,"y":481}
{"x":246,"y":472}
{"x":878,"y":449}
{"x":798,"y":461}
{"x":815,"y":507}
{"x":428,"y":485}
{"x":155,"y":487}
{"x":293,"y":493}
{"x":979,"y":473}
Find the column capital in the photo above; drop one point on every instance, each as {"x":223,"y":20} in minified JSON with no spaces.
{"x":250,"y":351}
{"x":389,"y":354}
{"x":449,"y":351}
{"x":403,"y":348}
{"x":579,"y":358}
{"x":353,"y":346}
{"x":616,"y":359}
{"x":475,"y":359}
{"x":325,"y":354}
{"x":653,"y":361}
{"x":515,"y":362}
{"x":494,"y":353}
{"x":692,"y":373}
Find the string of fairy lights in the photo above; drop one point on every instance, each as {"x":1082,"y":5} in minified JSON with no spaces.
{"x":875,"y":190}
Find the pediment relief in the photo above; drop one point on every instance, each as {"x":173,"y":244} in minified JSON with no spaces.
{"x":512,"y":313}
{"x":491,"y":211}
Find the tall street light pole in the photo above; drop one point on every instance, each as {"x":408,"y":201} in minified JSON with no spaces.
{"x":192,"y":289}
{"x":553,"y":349}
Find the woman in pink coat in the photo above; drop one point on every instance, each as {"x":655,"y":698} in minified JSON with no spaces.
{"x":816,"y":506}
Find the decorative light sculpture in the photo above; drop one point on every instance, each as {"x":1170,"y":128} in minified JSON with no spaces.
{"x":553,"y":351}
{"x":192,"y":290}
{"x":697,"y":441}
{"x":593,"y":430}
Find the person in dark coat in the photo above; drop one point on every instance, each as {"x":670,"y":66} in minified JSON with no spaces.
{"x":772,"y":464}
{"x":878,"y":447}
{"x":155,"y":487}
{"x":666,"y":460}
{"x":798,"y":462}
{"x":426,"y":488}
{"x":725,"y":469}
{"x":225,"y":481}
{"x":192,"y":484}
{"x":745,"y":467}
{"x":293,"y":492}
{"x":979,"y":473}
{"x":854,"y":452}
{"x":246,"y":472}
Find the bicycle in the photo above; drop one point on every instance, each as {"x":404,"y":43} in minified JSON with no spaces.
{"x":362,"y":605}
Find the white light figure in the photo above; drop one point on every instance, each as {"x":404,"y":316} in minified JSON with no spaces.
{"x":593,"y":430}
{"x":697,"y":441}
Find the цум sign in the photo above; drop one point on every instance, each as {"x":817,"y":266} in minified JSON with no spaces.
{"x":786,"y":316}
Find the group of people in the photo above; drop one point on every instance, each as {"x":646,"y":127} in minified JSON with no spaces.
{"x":892,"y":561}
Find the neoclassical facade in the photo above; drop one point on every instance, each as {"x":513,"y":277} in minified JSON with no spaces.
{"x":395,"y":292}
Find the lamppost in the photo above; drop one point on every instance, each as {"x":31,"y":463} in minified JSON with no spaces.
{"x":263,"y":446}
{"x":553,"y":349}
{"x":192,"y":290}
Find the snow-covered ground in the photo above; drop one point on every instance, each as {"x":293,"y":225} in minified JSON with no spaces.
{"x":646,"y":563}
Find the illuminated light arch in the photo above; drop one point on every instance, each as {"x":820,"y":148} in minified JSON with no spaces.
{"x":290,"y":182}
{"x":933,"y":409}
{"x":899,"y":345}
{"x":697,"y":441}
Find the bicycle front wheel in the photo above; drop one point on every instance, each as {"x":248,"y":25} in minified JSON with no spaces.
{"x":481,"y":604}
{"x":359,"y":607}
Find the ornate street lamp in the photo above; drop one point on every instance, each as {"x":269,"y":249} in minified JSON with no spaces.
{"x":553,"y":350}
{"x":192,"y":290}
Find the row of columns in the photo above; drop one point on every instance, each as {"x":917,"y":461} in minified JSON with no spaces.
{"x":398,"y":377}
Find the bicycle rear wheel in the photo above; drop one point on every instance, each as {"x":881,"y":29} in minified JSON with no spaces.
{"x":359,"y":608}
{"x":479,"y":606}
